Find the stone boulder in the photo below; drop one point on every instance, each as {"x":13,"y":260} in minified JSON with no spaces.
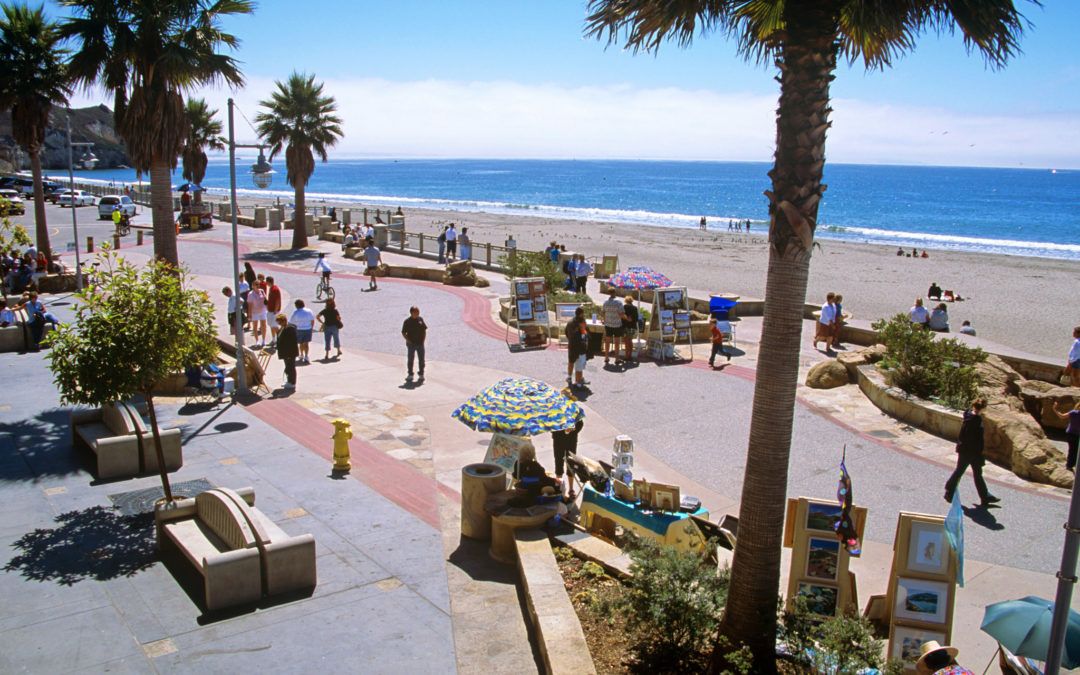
{"x":859,"y":357}
{"x":1041,"y":397}
{"x":999,"y":383}
{"x":1016,"y":441}
{"x":460,"y":273}
{"x":827,"y":375}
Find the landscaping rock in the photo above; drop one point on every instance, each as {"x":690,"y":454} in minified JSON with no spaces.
{"x":852,"y":360}
{"x":460,"y":273}
{"x":1041,"y":397}
{"x":998,"y":381}
{"x":827,"y":375}
{"x":1015,"y":441}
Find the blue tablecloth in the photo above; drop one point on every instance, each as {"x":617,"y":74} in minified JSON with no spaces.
{"x":654,"y":521}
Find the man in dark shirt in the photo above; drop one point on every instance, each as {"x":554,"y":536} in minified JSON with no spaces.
{"x":414,"y":330}
{"x":630,"y":326}
{"x":969,"y":452}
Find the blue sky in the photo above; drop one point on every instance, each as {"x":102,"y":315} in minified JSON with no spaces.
{"x":510,"y":78}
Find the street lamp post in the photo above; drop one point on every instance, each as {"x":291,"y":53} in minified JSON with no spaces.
{"x":261,"y":174}
{"x":74,"y":215}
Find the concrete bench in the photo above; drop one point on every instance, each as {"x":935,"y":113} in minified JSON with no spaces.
{"x":16,"y":337}
{"x":241,"y":554}
{"x":112,"y":432}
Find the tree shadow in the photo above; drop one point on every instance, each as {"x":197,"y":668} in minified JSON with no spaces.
{"x":39,"y":447}
{"x":95,"y":543}
{"x":282,"y":255}
{"x":472,"y":557}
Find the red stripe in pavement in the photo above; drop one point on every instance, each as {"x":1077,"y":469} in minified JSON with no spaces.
{"x":396,"y":480}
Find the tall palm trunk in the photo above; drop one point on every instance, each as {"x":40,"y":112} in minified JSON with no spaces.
{"x":41,"y":228}
{"x":161,"y":203}
{"x":299,"y":233}
{"x":807,"y":62}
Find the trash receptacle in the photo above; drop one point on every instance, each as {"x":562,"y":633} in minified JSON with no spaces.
{"x":478,"y":482}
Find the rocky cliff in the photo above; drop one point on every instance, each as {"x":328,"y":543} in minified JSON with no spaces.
{"x":94,"y":125}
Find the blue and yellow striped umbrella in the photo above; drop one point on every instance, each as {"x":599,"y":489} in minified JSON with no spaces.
{"x":519,"y":406}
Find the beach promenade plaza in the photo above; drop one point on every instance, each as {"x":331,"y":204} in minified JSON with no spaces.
{"x":398,"y":589}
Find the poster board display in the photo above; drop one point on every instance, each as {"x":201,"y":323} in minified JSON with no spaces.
{"x":504,"y":450}
{"x":922,"y":586}
{"x":528,"y":309}
{"x":819,"y":561}
{"x":669,"y":323}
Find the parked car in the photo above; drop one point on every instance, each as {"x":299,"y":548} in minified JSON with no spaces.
{"x":11,"y":204}
{"x":75,"y":198}
{"x":107,"y":203}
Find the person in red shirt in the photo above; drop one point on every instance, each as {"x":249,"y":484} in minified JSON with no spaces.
{"x":717,"y":343}
{"x":273,"y":306}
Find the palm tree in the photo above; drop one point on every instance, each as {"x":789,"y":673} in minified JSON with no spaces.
{"x":147,"y":53}
{"x":203,"y":132}
{"x":804,"y":38}
{"x":300,"y":116}
{"x":34,"y":80}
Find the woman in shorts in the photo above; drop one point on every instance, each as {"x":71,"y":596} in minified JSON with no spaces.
{"x":577,"y":338}
{"x":257,"y":315}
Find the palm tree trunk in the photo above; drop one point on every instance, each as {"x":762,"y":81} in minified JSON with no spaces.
{"x":299,"y":233}
{"x":41,"y":228}
{"x":807,"y":62}
{"x":161,"y":203}
{"x":164,"y":473}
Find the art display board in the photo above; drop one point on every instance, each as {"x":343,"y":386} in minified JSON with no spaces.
{"x":528,"y":307}
{"x":669,"y":322}
{"x":609,"y":265}
{"x":504,"y":450}
{"x":819,"y":560}
{"x":922,"y":587}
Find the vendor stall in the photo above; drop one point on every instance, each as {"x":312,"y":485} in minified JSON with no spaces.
{"x":528,"y":312}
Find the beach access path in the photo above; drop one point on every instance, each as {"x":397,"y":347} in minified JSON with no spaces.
{"x":689,"y":423}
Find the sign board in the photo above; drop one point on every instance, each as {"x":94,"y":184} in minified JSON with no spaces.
{"x":819,"y":561}
{"x":504,"y":450}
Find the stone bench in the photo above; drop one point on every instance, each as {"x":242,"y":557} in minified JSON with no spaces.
{"x":111,"y":433}
{"x":16,"y":337}
{"x":558,"y":630}
{"x":241,"y":554}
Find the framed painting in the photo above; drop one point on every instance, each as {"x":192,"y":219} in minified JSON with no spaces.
{"x":525,"y":310}
{"x":822,"y":517}
{"x":822,"y":559}
{"x":928,"y":549}
{"x":521,"y":289}
{"x":921,"y":600}
{"x":907,"y":642}
{"x":820,"y":599}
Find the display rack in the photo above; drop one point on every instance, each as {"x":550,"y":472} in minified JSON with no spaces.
{"x":670,"y":323}
{"x":529,"y":313}
{"x":819,"y":560}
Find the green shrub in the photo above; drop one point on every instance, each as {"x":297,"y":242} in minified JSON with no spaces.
{"x":533,"y":264}
{"x":842,"y":645}
{"x":942,"y":370}
{"x":675,"y":599}
{"x":591,"y":570}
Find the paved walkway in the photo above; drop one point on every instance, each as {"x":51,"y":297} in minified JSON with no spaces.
{"x":388,"y":534}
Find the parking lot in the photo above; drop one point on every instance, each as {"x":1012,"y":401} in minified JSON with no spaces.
{"x":62,"y":229}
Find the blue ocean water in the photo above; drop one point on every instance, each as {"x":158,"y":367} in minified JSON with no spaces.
{"x":1013,"y":211}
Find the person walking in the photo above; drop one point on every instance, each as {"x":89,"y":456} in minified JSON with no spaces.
{"x":612,"y":311}
{"x":451,"y":243}
{"x":1072,"y":364}
{"x":414,"y":330}
{"x":373,"y":257}
{"x":717,"y":336}
{"x":304,"y":320}
{"x":273,"y":307}
{"x":577,"y":340}
{"x":442,"y":245}
{"x":564,"y":443}
{"x":823,"y":329}
{"x":330,"y":324}
{"x":257,"y":315}
{"x":969,"y":450}
{"x":1072,"y":432}
{"x":287,"y":349}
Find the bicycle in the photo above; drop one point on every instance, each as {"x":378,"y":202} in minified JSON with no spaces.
{"x":323,"y":290}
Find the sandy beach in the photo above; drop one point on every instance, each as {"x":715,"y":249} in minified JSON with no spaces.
{"x":1026,"y":303}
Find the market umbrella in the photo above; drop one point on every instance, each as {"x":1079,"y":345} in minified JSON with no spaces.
{"x":190,"y":187}
{"x":519,"y":406}
{"x":1023,"y":627}
{"x":638,"y":278}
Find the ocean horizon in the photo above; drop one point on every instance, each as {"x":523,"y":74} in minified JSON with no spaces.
{"x":1032,"y":212}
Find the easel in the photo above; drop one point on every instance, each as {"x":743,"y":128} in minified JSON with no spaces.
{"x":819,"y":560}
{"x":669,"y":322}
{"x":529,"y":312}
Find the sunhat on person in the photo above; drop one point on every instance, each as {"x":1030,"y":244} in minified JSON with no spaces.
{"x":935,"y":656}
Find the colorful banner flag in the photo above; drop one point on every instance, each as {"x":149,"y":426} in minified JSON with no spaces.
{"x":954,"y":530}
{"x":845,"y":529}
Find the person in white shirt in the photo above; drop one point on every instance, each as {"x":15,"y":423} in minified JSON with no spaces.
{"x":582,"y":270}
{"x":612,"y":310}
{"x":967,"y":329}
{"x":823,"y":329}
{"x":918,"y":314}
{"x":1073,"y":367}
{"x":373,"y":258}
{"x":451,"y":243}
{"x":304,"y":320}
{"x":227,"y":292}
{"x":7,"y":317}
{"x":321,"y":265}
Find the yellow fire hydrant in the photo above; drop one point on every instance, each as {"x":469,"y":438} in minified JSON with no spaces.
{"x":342,"y":434}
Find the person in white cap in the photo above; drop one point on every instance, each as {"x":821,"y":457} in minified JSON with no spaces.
{"x":939,"y":660}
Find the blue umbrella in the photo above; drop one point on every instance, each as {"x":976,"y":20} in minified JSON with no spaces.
{"x":190,"y":187}
{"x":1023,"y":627}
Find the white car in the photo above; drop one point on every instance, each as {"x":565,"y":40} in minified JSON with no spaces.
{"x":75,"y":198}
{"x":107,"y":204}
{"x":12,"y":204}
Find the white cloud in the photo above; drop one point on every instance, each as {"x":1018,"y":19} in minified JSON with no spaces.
{"x":436,"y":118}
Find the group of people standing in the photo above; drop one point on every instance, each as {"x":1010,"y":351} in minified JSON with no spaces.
{"x":449,"y":240}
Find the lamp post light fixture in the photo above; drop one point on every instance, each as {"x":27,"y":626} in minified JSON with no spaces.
{"x":71,"y":182}
{"x":262,"y":176}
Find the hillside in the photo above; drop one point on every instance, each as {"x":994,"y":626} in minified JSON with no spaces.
{"x":93,"y":125}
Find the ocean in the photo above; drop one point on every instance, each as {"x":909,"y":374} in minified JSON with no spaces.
{"x":1034,"y":212}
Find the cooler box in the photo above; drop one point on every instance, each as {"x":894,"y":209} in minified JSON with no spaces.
{"x":722,"y":309}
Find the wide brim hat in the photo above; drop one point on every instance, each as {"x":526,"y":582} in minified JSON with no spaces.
{"x":930,"y":647}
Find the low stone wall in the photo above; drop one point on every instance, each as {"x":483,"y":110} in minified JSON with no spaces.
{"x":917,"y":412}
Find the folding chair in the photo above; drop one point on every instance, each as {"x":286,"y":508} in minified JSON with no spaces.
{"x":727,"y":330}
{"x":195,"y":391}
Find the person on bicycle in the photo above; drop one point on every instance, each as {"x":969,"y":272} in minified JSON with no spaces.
{"x":321,"y":265}
{"x":117,"y":217}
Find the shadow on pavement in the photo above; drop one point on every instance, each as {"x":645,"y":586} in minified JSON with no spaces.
{"x":282,"y":255}
{"x":981,"y":515}
{"x":472,"y":558}
{"x":38,"y":447}
{"x":94,"y":543}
